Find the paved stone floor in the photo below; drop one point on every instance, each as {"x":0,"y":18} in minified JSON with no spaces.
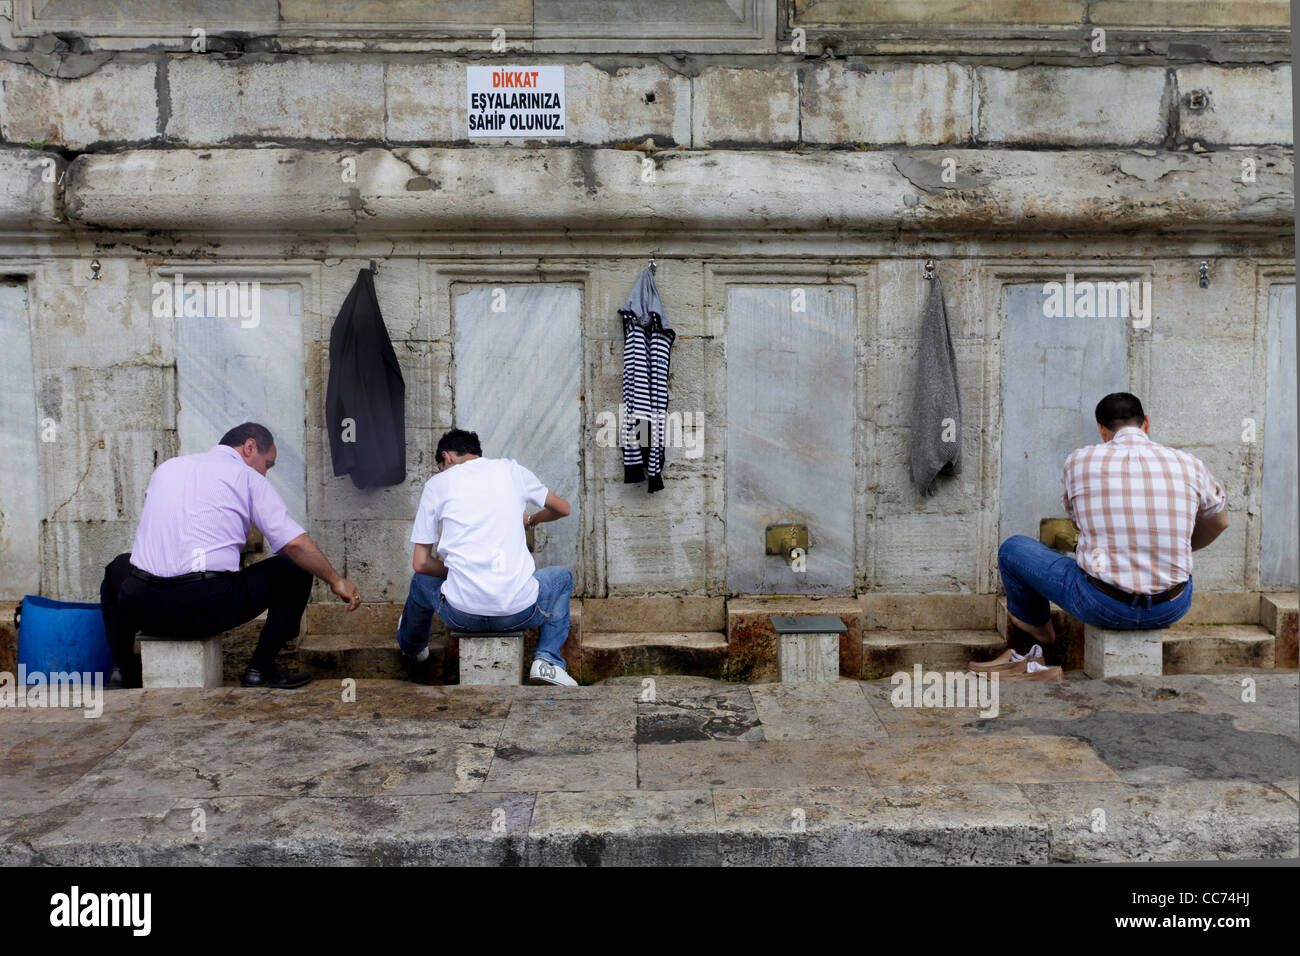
{"x":1126,"y":769}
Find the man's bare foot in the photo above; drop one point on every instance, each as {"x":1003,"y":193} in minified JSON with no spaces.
{"x":1044,"y":632}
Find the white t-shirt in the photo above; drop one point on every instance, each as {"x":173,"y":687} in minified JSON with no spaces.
{"x":479,"y":505}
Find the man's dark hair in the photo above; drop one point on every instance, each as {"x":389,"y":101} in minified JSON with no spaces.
{"x":242,"y":433}
{"x":458,"y":442}
{"x":1119,"y":409}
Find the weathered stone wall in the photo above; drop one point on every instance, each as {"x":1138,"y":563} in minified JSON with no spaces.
{"x":759,"y":167}
{"x":187,"y":100}
{"x":1198,"y":368}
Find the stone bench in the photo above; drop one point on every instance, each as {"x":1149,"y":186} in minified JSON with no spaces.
{"x":177,"y":662}
{"x":807,"y":647}
{"x":1111,"y":653}
{"x":491,"y":657}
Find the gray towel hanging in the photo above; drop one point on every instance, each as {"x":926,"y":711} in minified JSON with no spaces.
{"x":936,"y":408}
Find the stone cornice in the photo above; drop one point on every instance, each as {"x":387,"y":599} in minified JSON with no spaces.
{"x":500,"y":190}
{"x":30,"y":190}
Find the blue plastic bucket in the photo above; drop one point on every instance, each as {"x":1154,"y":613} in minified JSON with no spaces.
{"x":62,"y":637}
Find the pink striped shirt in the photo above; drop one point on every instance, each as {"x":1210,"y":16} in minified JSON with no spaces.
{"x":1135,"y":503}
{"x":197,"y":511}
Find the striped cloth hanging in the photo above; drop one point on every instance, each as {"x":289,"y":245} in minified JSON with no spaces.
{"x":647,"y":347}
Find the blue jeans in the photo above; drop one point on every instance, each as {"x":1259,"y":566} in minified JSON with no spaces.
{"x":1034,"y":574}
{"x":550,"y":614}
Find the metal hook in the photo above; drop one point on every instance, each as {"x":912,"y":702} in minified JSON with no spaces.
{"x":1205,"y":274}
{"x":94,"y":269}
{"x":374,"y":268}
{"x":653,"y":265}
{"x":929,"y":270}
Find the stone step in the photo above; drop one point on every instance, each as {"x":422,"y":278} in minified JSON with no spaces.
{"x":628,"y":653}
{"x":375,"y":656}
{"x":927,"y":612}
{"x":1211,"y":648}
{"x":1280,"y":614}
{"x":922,"y":627}
{"x":334,"y":618}
{"x":372,"y":656}
{"x":887,"y":652}
{"x":340,"y":644}
{"x":369,"y":651}
{"x":1188,"y":649}
{"x":659,"y":614}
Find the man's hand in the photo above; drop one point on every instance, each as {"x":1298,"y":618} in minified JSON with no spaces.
{"x":556,"y":508}
{"x":347,"y":592}
{"x":303,"y":551}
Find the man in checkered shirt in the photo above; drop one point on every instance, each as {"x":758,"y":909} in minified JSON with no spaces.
{"x":1141,"y":510}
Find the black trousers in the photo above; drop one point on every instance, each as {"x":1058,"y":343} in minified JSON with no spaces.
{"x":203,"y":608}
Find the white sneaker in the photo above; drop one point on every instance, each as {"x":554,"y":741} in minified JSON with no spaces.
{"x":550,"y":673}
{"x":419,"y":658}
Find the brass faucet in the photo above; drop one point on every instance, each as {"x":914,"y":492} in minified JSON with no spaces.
{"x":1059,"y":533}
{"x":783,"y":539}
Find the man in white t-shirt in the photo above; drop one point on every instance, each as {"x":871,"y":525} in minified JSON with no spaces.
{"x":482,"y":577}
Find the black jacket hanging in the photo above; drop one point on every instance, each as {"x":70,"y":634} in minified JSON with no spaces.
{"x":365,"y":397}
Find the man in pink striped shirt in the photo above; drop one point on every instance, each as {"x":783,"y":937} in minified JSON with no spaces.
{"x":182,"y":578}
{"x":1141,"y":510}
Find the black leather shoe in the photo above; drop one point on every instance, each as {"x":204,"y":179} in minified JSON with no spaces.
{"x":277,"y":678}
{"x":130,"y":679}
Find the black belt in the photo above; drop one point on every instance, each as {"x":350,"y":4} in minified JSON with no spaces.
{"x":1127,"y":596}
{"x":179,"y":579}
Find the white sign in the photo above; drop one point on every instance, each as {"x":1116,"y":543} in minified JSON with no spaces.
{"x":515,"y":101}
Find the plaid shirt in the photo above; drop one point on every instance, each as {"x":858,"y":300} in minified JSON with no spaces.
{"x":1135,"y":503}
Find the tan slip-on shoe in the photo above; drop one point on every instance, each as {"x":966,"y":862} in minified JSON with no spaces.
{"x":1001,"y":660}
{"x":1033,"y":670}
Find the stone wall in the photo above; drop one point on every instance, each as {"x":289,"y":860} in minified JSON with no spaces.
{"x":740,"y":164}
{"x":187,"y":100}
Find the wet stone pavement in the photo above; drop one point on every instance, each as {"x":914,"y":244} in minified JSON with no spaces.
{"x":678,"y":771}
